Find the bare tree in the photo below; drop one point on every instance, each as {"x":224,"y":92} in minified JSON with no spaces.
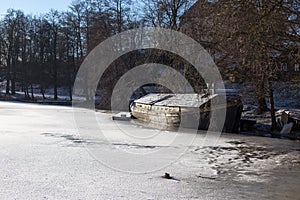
{"x":53,"y":19}
{"x":166,"y":13}
{"x":250,"y":34}
{"x":13,"y":23}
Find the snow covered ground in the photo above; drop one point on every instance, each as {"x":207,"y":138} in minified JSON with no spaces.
{"x":44,"y":154}
{"x":63,"y":93}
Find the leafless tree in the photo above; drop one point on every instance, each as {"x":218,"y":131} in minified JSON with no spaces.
{"x":250,"y":34}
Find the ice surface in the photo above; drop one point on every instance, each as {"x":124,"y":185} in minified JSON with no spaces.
{"x":43,"y":154}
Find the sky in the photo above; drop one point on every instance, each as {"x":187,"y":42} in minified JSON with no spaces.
{"x":33,"y":6}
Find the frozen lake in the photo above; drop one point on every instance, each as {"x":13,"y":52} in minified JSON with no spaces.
{"x":44,"y":154}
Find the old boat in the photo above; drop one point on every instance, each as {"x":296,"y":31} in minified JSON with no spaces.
{"x":169,"y":111}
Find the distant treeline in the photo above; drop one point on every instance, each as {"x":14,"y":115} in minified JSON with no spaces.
{"x":249,"y":38}
{"x":47,"y":50}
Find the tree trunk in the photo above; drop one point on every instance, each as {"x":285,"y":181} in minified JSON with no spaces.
{"x":70,"y":85}
{"x":7,"y":85}
{"x":70,"y":93}
{"x":27,"y":92}
{"x":8,"y":77}
{"x":43,"y":91}
{"x":272,"y":106}
{"x":55,"y":88}
{"x":55,"y":91}
{"x":262,"y":105}
{"x":13,"y":85}
{"x":13,"y":79}
{"x":32,"y":93}
{"x":261,"y":100}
